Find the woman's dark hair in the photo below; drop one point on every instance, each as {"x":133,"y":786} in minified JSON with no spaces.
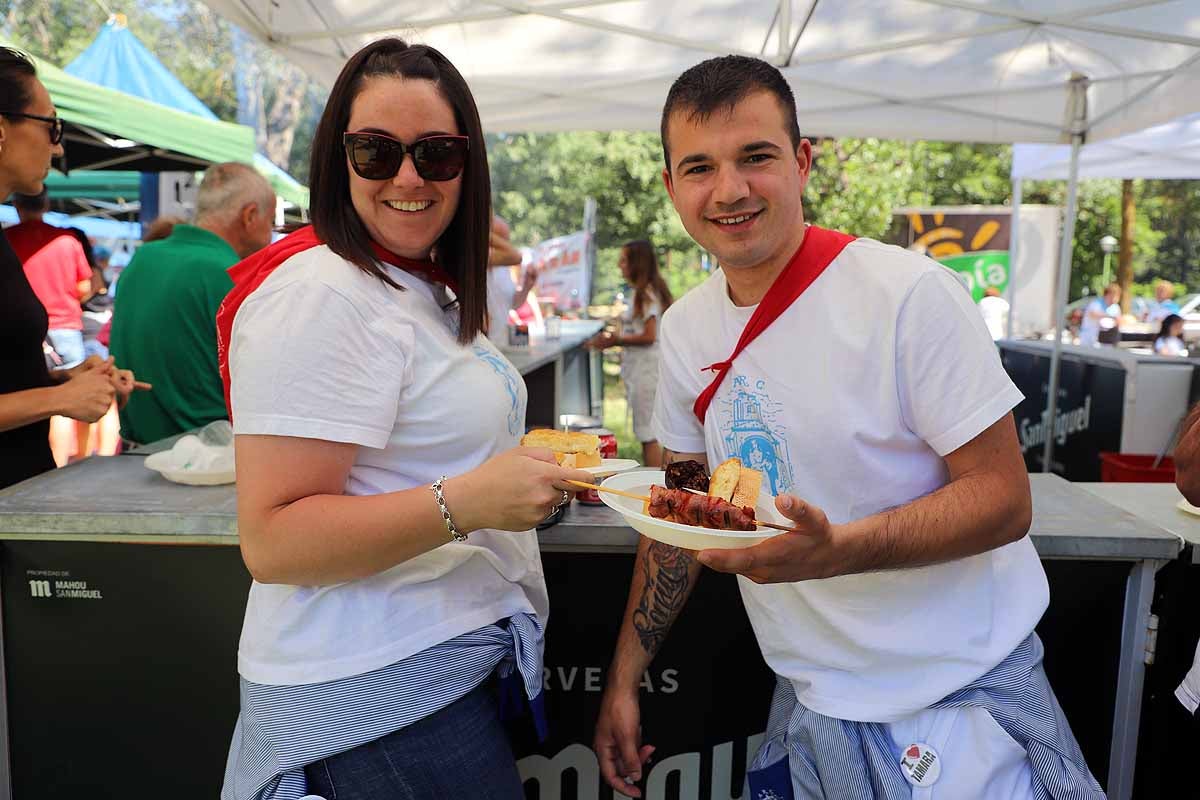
{"x":1168,"y":321}
{"x":645,"y":277}
{"x":16,"y":74}
{"x":462,"y":249}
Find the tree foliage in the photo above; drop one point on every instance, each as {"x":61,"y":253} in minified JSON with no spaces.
{"x":206,"y":63}
{"x":540,"y":181}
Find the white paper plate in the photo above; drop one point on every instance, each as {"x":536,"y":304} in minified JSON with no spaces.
{"x":1184,"y":505}
{"x":611,"y":466}
{"x":166,"y":464}
{"x":690,"y":537}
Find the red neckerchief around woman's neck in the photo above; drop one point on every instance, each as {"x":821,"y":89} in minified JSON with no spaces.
{"x":818,"y":250}
{"x":249,"y":273}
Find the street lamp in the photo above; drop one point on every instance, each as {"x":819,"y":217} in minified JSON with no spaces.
{"x":1109,"y":245}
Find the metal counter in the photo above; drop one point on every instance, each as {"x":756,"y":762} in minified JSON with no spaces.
{"x":118,"y":501}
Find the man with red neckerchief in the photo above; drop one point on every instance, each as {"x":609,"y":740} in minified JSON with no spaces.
{"x":860,"y":379}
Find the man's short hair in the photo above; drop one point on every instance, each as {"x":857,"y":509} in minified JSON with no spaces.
{"x":723,"y":82}
{"x":228,"y":187}
{"x":32,"y":202}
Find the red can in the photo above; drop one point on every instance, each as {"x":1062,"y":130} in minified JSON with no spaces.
{"x":608,"y":449}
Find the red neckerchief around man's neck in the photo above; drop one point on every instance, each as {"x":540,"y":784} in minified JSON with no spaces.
{"x":249,"y":273}
{"x":818,"y":250}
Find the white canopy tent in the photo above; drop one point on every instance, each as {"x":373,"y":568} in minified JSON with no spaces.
{"x":1170,"y":150}
{"x":932,"y":69}
{"x":968,"y":70}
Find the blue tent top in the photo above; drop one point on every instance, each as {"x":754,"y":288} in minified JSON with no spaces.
{"x":116,"y":59}
{"x":92,"y":226}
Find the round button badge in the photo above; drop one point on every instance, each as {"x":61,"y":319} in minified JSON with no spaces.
{"x":921,"y":764}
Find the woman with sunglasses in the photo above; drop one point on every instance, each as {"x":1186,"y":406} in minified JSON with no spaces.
{"x":384,"y":509}
{"x":30,"y":136}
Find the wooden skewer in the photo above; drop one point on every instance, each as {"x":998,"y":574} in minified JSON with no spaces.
{"x":630,"y":495}
{"x":645,"y":499}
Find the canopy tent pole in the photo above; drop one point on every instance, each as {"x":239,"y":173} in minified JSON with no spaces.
{"x":1014,"y":241}
{"x":785,"y":33}
{"x":1077,"y":109}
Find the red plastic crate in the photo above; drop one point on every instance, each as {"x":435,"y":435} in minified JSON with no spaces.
{"x":1133,"y":468}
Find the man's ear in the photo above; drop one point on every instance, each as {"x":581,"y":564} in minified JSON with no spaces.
{"x":804,"y":162}
{"x":249,"y":215}
{"x":666,"y":176}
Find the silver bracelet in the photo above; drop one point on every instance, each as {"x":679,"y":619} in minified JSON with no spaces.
{"x":436,"y":488}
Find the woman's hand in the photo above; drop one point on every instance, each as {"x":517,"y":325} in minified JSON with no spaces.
{"x":513,"y":491}
{"x":93,"y":362}
{"x":601,"y":341}
{"x":86,"y":396}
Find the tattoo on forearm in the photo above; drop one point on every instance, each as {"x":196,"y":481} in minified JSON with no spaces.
{"x":663,"y":593}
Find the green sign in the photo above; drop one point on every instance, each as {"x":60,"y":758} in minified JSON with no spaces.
{"x":981,"y":269}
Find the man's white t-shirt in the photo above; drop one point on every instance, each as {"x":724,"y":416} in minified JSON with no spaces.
{"x":1089,"y":326}
{"x":850,"y":400}
{"x":324,"y":351}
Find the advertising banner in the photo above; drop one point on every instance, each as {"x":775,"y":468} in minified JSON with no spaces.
{"x":564,"y":271}
{"x":975,"y":242}
{"x":1091,"y":399}
{"x":704,"y":699}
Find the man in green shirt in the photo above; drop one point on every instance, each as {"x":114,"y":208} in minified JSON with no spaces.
{"x":164,"y":320}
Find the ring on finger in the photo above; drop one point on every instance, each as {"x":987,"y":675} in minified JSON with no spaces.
{"x":566,"y":498}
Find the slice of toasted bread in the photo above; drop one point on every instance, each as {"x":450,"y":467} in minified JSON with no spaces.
{"x":724,"y":479}
{"x":562,"y":441}
{"x":748,"y":486}
{"x":578,"y":460}
{"x":591,"y":459}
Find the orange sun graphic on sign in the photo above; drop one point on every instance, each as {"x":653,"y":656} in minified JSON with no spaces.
{"x":942,"y":240}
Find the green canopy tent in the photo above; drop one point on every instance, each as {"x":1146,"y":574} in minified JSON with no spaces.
{"x":111,"y":130}
{"x":109,"y":193}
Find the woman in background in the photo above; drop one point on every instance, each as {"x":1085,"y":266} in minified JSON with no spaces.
{"x":30,"y":137}
{"x":1170,"y":337}
{"x":638,"y":340}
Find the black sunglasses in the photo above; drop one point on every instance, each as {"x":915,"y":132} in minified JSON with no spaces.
{"x":56,"y":123}
{"x":377,"y":157}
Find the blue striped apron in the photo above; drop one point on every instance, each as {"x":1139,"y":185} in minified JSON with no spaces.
{"x":282,"y":728}
{"x":807,"y":755}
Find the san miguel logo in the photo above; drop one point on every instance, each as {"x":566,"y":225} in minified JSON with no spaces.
{"x":51,"y":584}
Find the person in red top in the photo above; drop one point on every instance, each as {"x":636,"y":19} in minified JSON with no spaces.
{"x":58,"y":271}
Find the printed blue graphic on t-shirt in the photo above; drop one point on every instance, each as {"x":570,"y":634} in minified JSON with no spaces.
{"x":505,"y":370}
{"x":748,"y":421}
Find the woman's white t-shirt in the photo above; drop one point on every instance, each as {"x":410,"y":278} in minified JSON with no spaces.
{"x":324,"y":351}
{"x":636,"y":356}
{"x":1170,"y":346}
{"x":850,"y":400}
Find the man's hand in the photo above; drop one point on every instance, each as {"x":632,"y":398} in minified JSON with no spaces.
{"x":618,"y":741}
{"x":809,"y":551}
{"x":1187,"y":457}
{"x":124,"y":384}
